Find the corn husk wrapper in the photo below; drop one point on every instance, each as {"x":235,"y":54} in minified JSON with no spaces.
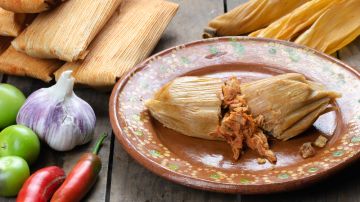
{"x":250,"y":16}
{"x":11,"y":24}
{"x":292,"y":24}
{"x":127,"y":39}
{"x":66,"y":31}
{"x":4,"y":43}
{"x":28,"y":6}
{"x":17,"y":63}
{"x":189,"y":105}
{"x":336,"y":28}
{"x":288,"y":103}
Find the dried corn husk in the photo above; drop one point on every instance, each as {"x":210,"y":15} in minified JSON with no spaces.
{"x":66,"y":31}
{"x":292,"y":24}
{"x":11,"y":23}
{"x":251,"y":16}
{"x":17,"y":63}
{"x":288,"y":104}
{"x":336,"y":28}
{"x":127,"y":39}
{"x":4,"y":43}
{"x":28,"y":6}
{"x":189,"y":105}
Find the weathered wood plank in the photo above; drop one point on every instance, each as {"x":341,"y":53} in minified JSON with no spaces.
{"x":234,"y":3}
{"x":343,"y":186}
{"x":188,"y":23}
{"x":132,"y":182}
{"x":351,"y":54}
{"x":66,"y":160}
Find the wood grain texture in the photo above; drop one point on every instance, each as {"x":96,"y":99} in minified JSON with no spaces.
{"x":132,"y":182}
{"x":188,"y":23}
{"x":351,"y":54}
{"x":66,"y":160}
{"x":234,"y":3}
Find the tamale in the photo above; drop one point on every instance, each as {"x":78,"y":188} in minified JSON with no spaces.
{"x":28,"y":6}
{"x":4,"y":43}
{"x":289,"y":103}
{"x":127,"y":39}
{"x":283,"y":106}
{"x":17,"y":63}
{"x":67,"y":30}
{"x":250,"y":16}
{"x":292,"y":24}
{"x":193,"y":117}
{"x":336,"y":28}
{"x":11,"y":24}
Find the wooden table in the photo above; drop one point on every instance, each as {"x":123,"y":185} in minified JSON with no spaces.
{"x":122,"y":179}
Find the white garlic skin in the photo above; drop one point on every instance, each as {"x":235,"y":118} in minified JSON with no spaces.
{"x":62,"y":121}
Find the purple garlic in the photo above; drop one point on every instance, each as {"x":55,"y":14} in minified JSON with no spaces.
{"x":58,"y":116}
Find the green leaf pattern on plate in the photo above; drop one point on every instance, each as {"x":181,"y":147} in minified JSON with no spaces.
{"x":185,"y":60}
{"x":244,"y":181}
{"x":172,"y":166}
{"x":338,"y":153}
{"x":272,"y":51}
{"x":215,"y":176}
{"x":138,"y":133}
{"x":283,"y":176}
{"x":155,"y":153}
{"x":355,"y":139}
{"x":213,"y":50}
{"x":313,"y":169}
{"x":292,"y":55}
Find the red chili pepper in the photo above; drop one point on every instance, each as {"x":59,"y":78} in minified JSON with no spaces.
{"x":41,"y":185}
{"x":82,"y":177}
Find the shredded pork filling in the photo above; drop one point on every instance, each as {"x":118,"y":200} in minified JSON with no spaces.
{"x":238,"y":126}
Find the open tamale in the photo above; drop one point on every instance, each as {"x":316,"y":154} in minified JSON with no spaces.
{"x":127,"y":39}
{"x":17,"y":63}
{"x":11,"y":24}
{"x":209,"y":108}
{"x":67,"y":30}
{"x":250,"y":16}
{"x":334,"y":29}
{"x":28,"y":6}
{"x":292,"y":24}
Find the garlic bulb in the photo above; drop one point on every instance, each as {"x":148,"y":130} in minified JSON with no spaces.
{"x":58,"y":116}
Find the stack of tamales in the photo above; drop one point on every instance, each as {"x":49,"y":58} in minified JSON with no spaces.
{"x":99,"y":39}
{"x":325,"y":25}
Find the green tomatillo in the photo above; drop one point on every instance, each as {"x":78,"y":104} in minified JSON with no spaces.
{"x":19,"y":140}
{"x":11,"y":99}
{"x":13,"y":173}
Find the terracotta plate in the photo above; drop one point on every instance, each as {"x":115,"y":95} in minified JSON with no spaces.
{"x":207,"y":164}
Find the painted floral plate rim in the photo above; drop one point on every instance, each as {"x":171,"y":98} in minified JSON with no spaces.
{"x":129,"y":120}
